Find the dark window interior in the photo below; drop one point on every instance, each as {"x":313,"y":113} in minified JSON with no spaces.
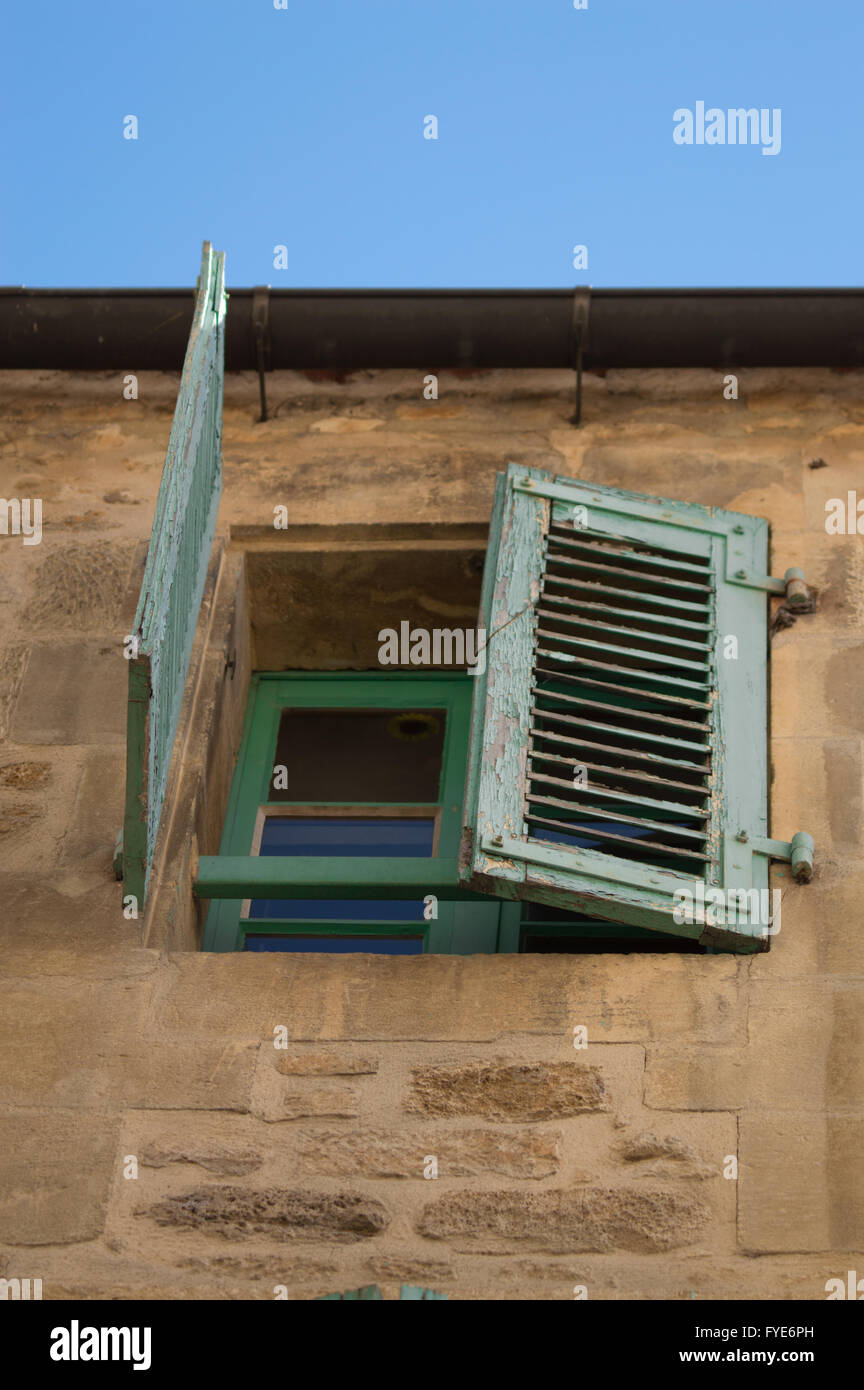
{"x":549,"y":930}
{"x":350,"y":755}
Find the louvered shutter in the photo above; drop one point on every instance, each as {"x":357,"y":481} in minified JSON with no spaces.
{"x":619,"y":731}
{"x":174,"y":576}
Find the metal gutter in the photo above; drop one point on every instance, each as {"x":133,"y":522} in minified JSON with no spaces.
{"x":345,"y":330}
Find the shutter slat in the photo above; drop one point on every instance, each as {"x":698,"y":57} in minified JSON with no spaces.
{"x":629,"y":798}
{"x":620,"y":774}
{"x":596,"y":570}
{"x":652,"y":640}
{"x":580,"y":742}
{"x":604,"y":609}
{"x":598,"y":590}
{"x":595,"y":541}
{"x":583,"y":811}
{"x":663,"y":740}
{"x":624,"y":711}
{"x":681,"y":701}
{"x":633,"y":842}
{"x":638,"y":656}
{"x":571,"y":659}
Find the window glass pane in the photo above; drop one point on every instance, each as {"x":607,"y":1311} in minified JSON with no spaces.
{"x":353,"y":755}
{"x":341,"y":910}
{"x":380,"y":836}
{"x":340,"y":945}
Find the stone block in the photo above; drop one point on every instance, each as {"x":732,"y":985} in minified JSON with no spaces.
{"x":783,"y":1188}
{"x":472,"y":998}
{"x":566,"y":1222}
{"x":72,"y":692}
{"x":13,"y":663}
{"x":539,"y":1091}
{"x":45,"y":932}
{"x":323,"y":1064}
{"x":236,"y":1213}
{"x":816,"y":683}
{"x":80,"y":588}
{"x":55,"y":1175}
{"x":97,"y":811}
{"x":385,"y":1153}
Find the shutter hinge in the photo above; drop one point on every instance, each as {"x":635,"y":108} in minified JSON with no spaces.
{"x":792,"y":587}
{"x":798,"y":851}
{"x":118,"y":855}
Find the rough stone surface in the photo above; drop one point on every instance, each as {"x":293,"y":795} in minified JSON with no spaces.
{"x":597,"y":1219}
{"x":72,"y":692}
{"x":57,"y":1170}
{"x":97,"y":810}
{"x":13,"y":662}
{"x":234,"y":1213}
{"x":537,"y":1092}
{"x":297,"y":1104}
{"x":458,"y":1153}
{"x":666,"y":1157}
{"x":215,"y":1160}
{"x":26,"y":776}
{"x":80,"y":587}
{"x":324,"y":1064}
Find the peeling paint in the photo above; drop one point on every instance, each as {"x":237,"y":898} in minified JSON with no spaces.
{"x":605,"y":882}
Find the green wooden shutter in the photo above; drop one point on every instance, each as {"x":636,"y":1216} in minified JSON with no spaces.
{"x":174,"y":576}
{"x":618,"y":757}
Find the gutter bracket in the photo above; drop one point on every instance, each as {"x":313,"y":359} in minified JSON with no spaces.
{"x":261,"y":329}
{"x":578,"y":343}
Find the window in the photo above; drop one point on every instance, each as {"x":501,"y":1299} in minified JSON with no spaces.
{"x":341,"y":768}
{"x":616,"y":760}
{"x":614,"y":735}
{"x":353,"y":784}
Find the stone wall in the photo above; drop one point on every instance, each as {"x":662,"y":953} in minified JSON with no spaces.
{"x":303,"y":1166}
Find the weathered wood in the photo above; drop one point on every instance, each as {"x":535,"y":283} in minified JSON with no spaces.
{"x":290,"y":876}
{"x":702,"y":545}
{"x":174,"y":576}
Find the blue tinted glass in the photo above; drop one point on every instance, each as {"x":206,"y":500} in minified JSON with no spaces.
{"x":348,"y":836}
{"x":340,"y":945}
{"x":344,"y":910}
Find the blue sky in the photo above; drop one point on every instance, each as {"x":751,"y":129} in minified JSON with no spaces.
{"x":303,"y":127}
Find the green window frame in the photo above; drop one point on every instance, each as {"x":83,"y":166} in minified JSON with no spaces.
{"x":466,"y":922}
